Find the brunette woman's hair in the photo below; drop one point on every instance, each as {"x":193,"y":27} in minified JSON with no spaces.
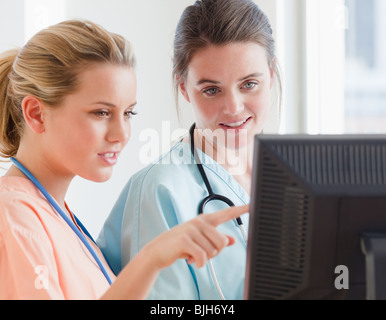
{"x":220,"y":22}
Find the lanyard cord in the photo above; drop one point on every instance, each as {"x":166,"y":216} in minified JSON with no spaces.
{"x":63,"y":215}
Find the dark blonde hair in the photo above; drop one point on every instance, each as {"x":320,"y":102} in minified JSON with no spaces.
{"x":220,"y":22}
{"x":48,"y":66}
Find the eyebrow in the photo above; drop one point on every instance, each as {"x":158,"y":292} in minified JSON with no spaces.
{"x":256,"y":74}
{"x":108,"y":104}
{"x":252,"y":75}
{"x":206,"y":81}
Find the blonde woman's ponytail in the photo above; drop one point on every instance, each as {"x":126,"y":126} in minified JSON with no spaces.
{"x":10,"y":114}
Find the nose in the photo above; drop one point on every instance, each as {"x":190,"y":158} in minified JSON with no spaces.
{"x":119,"y":131}
{"x":233,"y":103}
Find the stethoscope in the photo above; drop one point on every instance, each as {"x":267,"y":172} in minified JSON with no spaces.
{"x":211,"y":197}
{"x":72,"y":225}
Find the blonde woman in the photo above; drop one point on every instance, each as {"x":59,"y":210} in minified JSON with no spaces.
{"x":66,"y":100}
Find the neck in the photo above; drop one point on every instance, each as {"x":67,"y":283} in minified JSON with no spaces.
{"x":240,"y":167}
{"x":237,"y":161}
{"x":55,"y":184}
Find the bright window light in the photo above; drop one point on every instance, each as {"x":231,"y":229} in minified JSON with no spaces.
{"x":325,"y":61}
{"x":39,"y":14}
{"x":365,"y":87}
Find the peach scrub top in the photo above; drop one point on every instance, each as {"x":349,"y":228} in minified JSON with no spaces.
{"x":40,"y":256}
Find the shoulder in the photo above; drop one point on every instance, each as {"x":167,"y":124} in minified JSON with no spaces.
{"x":21,"y":206}
{"x":163,"y":182}
{"x":169,"y":166}
{"x":16,"y":192}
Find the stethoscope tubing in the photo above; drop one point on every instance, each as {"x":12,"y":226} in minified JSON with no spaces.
{"x":65,"y":217}
{"x":210,"y":197}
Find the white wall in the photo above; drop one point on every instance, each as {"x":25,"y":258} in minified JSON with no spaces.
{"x":150,"y":26}
{"x":11,"y":24}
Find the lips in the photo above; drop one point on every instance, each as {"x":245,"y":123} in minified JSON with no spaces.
{"x":239,"y":124}
{"x":109,"y":155}
{"x":110,"y":158}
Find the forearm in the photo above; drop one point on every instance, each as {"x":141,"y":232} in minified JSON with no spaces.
{"x":196,"y":241}
{"x":136,"y":279}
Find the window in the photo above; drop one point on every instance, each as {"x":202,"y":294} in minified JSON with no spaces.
{"x":325,"y":25}
{"x":332,"y":53}
{"x":365,"y":85}
{"x":310,"y":39}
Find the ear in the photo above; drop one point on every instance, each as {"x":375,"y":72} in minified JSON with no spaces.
{"x":272,"y":72}
{"x":181,"y":85}
{"x":33,"y":113}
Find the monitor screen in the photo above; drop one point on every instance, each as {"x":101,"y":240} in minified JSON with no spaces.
{"x":317,"y":218}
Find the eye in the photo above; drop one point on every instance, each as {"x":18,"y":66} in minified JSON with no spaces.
{"x":130,"y":114}
{"x":211,"y":91}
{"x":250,"y":85}
{"x":102,"y":113}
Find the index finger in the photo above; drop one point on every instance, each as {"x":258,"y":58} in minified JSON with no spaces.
{"x":222,"y":216}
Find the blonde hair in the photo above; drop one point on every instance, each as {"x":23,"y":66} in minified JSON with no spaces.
{"x":48,"y":66}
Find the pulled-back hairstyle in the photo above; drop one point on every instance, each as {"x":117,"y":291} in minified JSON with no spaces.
{"x":48,"y":67}
{"x":220,"y":22}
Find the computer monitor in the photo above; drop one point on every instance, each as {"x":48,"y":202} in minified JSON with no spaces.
{"x":317,"y":218}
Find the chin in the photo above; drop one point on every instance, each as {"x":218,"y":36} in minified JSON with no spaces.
{"x":98,"y":177}
{"x":237,"y":141}
{"x":102,"y":179}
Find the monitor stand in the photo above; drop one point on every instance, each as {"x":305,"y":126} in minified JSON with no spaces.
{"x":374,"y":248}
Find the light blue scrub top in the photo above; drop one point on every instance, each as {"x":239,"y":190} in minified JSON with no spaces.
{"x":163,"y":195}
